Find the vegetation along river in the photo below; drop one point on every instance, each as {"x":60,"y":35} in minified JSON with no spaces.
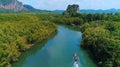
{"x":57,"y":52}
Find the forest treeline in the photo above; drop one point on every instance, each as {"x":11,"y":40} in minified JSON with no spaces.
{"x":102,"y":39}
{"x":18,"y":32}
{"x":78,"y":19}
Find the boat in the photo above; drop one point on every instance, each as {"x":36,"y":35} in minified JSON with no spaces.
{"x":75,"y":57}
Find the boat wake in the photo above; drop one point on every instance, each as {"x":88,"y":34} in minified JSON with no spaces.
{"x":76,"y":64}
{"x":76,"y":60}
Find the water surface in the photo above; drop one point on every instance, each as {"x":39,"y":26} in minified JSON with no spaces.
{"x":57,"y":52}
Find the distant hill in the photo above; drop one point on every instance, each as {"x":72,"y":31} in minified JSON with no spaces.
{"x":14,"y":6}
{"x":91,"y":11}
{"x":58,"y":11}
{"x":11,"y":6}
{"x":31,"y":8}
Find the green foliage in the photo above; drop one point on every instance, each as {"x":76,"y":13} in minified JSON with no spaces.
{"x":60,"y":19}
{"x":94,"y":17}
{"x":5,"y":11}
{"x":102,"y":38}
{"x":80,"y":19}
{"x":68,"y":20}
{"x":18,"y":32}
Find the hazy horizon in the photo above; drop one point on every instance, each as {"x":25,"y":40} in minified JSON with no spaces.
{"x":62,"y":4}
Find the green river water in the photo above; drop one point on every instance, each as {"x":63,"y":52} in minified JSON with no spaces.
{"x":57,"y":52}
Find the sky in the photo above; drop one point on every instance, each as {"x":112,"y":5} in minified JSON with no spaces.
{"x":62,"y":4}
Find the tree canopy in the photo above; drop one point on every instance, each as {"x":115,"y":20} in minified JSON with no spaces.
{"x":102,"y":38}
{"x":18,"y":32}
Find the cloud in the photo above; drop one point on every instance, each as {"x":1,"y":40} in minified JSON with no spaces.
{"x":54,"y":4}
{"x":50,"y":4}
{"x":62,"y":4}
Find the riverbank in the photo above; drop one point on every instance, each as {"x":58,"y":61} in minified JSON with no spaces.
{"x":33,"y":50}
{"x":18,"y":33}
{"x":102,"y":39}
{"x":57,"y":51}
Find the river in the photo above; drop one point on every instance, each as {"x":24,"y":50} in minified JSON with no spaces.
{"x":57,"y":52}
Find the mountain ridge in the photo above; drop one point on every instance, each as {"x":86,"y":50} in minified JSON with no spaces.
{"x":92,"y":11}
{"x":12,"y":5}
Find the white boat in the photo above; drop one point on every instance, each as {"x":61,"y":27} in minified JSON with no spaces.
{"x":75,"y":57}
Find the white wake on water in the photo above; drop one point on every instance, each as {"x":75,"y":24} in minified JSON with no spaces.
{"x":76,"y":64}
